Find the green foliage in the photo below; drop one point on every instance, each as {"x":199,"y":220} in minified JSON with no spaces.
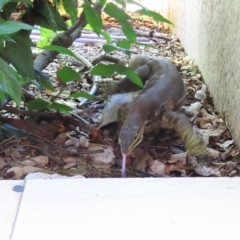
{"x":40,"y":104}
{"x":93,"y":17}
{"x":42,"y":80}
{"x":9,"y":84}
{"x":4,"y":2}
{"x":45,"y":15}
{"x":15,"y":44}
{"x":71,"y":8}
{"x":21,"y":49}
{"x":87,"y":96}
{"x":67,"y":74}
{"x":108,"y":70}
{"x":37,"y":104}
{"x":8,"y":27}
{"x":46,"y":36}
{"x":156,"y":16}
{"x":60,"y":49}
{"x":60,"y":107}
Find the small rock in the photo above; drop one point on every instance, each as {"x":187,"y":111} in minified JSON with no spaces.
{"x":40,"y":160}
{"x":104,"y":159}
{"x":232,"y":173}
{"x":72,"y":141}
{"x":70,"y":160}
{"x":83,"y":141}
{"x":29,"y":169}
{"x":18,"y":172}
{"x":158,"y":168}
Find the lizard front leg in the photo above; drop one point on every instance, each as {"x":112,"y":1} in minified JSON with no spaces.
{"x":181,"y":124}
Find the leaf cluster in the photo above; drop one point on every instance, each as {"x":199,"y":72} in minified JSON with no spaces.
{"x":19,"y":18}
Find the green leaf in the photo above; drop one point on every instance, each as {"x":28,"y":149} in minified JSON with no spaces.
{"x":109,"y":48}
{"x":134,"y":77}
{"x":107,"y":70}
{"x":67,"y":74}
{"x":3,"y":2}
{"x":71,"y":8}
{"x":43,"y":80}
{"x":10,"y":131}
{"x":20,"y":54}
{"x":38,"y":104}
{"x":103,"y":2}
{"x":93,"y":17}
{"x":46,"y":36}
{"x":113,"y":11}
{"x":3,"y":98}
{"x":103,"y":70}
{"x":61,"y":107}
{"x":9,"y":8}
{"x":60,"y":49}
{"x":156,"y":16}
{"x":9,"y":83}
{"x":87,"y":96}
{"x":128,"y":31}
{"x":44,"y":15}
{"x":124,"y":44}
{"x":8,"y":27}
{"x":106,"y":36}
{"x":4,"y":38}
{"x":120,"y":69}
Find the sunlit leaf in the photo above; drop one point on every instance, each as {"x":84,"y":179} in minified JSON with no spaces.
{"x":67,"y":74}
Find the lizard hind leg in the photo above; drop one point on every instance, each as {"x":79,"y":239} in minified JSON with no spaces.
{"x":194,"y":144}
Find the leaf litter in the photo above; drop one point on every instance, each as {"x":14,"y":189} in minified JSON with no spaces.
{"x":61,"y":147}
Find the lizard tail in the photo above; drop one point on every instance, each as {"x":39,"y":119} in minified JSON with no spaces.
{"x":180,"y":123}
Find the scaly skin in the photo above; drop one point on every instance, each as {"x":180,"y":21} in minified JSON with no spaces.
{"x":162,"y":96}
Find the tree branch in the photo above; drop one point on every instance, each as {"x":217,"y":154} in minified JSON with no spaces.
{"x":64,"y":39}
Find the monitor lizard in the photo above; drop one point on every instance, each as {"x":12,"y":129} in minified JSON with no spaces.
{"x":159,"y":102}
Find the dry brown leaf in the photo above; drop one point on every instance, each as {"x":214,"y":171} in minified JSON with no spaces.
{"x":2,"y":163}
{"x":70,"y":160}
{"x":95,"y":147}
{"x":95,"y":135}
{"x":61,"y":138}
{"x":40,"y":160}
{"x":179,"y":157}
{"x":140,"y":159}
{"x":162,"y":169}
{"x":70,"y":165}
{"x":30,"y":169}
{"x":213,"y":154}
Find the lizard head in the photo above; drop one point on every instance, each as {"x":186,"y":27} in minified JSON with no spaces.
{"x":130,"y":136}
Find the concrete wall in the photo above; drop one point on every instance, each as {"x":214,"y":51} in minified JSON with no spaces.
{"x":210,"y":33}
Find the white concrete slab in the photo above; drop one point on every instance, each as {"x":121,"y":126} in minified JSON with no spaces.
{"x":9,"y":201}
{"x":149,"y":209}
